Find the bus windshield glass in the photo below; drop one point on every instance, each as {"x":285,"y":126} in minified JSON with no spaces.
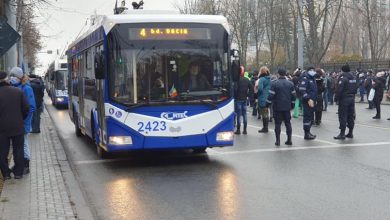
{"x":61,"y":80}
{"x":168,"y":63}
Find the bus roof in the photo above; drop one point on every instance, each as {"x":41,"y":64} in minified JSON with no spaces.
{"x":107,"y":22}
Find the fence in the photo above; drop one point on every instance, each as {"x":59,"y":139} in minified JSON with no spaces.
{"x":362,"y":65}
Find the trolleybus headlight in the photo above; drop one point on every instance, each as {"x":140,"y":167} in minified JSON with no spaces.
{"x":60,"y":99}
{"x":225,"y":136}
{"x":121,"y":140}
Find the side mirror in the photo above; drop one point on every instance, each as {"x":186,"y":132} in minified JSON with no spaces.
{"x":236,"y":70}
{"x":99,"y":66}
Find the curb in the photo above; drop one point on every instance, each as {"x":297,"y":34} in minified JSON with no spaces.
{"x":76,"y":195}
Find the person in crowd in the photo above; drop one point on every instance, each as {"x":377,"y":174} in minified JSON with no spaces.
{"x":308,"y":89}
{"x":298,"y":104}
{"x":39,"y":91}
{"x":379,"y":86}
{"x":332,"y":87}
{"x":242,"y":90}
{"x":282,"y":96}
{"x":21,"y":81}
{"x":327,"y":82}
{"x":254,"y":81}
{"x":368,"y":86}
{"x":362,"y":90}
{"x":345,"y":97}
{"x":320,"y":91}
{"x":274,"y":77}
{"x":264,"y":85}
{"x":13,"y":110}
{"x":195,"y":80}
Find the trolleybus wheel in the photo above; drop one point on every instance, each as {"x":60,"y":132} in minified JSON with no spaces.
{"x":199,"y":150}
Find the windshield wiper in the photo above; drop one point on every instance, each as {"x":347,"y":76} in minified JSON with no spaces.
{"x":131,"y":108}
{"x":185,"y":96}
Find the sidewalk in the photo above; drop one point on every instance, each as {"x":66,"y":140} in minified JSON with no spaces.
{"x":42,"y":194}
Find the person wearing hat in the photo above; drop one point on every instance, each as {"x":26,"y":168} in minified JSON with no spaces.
{"x":378,"y":84}
{"x":13,"y":110}
{"x":21,"y":81}
{"x":282,"y":96}
{"x":308,"y":90}
{"x":345,"y":97}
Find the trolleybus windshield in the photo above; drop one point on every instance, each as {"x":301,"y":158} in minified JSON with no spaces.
{"x":168,"y":63}
{"x":61,"y":80}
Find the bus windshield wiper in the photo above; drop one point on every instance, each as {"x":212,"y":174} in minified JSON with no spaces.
{"x":131,"y":108}
{"x":196,"y":98}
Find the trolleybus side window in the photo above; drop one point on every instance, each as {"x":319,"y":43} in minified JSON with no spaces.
{"x":89,"y":78}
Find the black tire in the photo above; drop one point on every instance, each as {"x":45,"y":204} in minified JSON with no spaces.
{"x":199,"y":150}
{"x":103,"y":154}
{"x":76,"y":126}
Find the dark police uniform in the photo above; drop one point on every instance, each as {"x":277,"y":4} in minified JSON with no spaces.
{"x":345,"y":96}
{"x":308,"y":90}
{"x":282,"y":96}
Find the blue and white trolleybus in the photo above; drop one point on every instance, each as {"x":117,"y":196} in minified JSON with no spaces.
{"x":148,"y":80}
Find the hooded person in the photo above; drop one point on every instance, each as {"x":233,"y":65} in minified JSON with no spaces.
{"x":13,"y":110}
{"x":20,"y":80}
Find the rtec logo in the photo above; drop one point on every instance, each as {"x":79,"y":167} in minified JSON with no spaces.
{"x":174,"y":115}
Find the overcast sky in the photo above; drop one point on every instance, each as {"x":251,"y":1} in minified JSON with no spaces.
{"x":62,"y":22}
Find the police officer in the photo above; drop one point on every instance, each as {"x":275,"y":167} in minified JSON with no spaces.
{"x":345,"y":97}
{"x":308,"y":90}
{"x":282,"y":96}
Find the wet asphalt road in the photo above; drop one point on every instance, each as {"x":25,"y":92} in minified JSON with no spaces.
{"x":322,"y":179}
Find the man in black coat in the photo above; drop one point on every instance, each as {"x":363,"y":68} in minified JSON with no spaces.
{"x":345,"y":97}
{"x":39,"y":91}
{"x":13,"y":110}
{"x":378,"y":84}
{"x":282,"y":96}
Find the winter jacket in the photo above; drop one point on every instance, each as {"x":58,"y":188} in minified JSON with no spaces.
{"x":379,"y":86}
{"x":243,"y":89}
{"x":28,"y":92}
{"x":13,"y":110}
{"x":263,"y":90}
{"x":308,"y":88}
{"x":282,"y":95}
{"x":346,"y":87}
{"x":38,"y":89}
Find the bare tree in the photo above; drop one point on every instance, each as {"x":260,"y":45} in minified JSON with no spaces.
{"x":319,"y":21}
{"x":257,"y":30}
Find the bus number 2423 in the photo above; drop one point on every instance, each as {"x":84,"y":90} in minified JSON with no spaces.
{"x":152,"y":126}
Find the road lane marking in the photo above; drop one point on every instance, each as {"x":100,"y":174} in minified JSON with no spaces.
{"x":211,"y":152}
{"x":303,"y":148}
{"x":298,"y":136}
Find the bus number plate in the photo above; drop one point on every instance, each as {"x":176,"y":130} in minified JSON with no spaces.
{"x":152,"y":126}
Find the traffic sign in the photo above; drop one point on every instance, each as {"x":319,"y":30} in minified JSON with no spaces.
{"x":8,"y":37}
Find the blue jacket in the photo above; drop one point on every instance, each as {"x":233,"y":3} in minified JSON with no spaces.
{"x":308,"y":88}
{"x":263,"y":90}
{"x":282,"y":95}
{"x":28,"y":92}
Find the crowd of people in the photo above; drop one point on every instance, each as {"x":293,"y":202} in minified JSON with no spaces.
{"x":308,"y":93}
{"x":21,"y":98}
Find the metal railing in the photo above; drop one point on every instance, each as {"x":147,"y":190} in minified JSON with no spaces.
{"x":355,"y":65}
